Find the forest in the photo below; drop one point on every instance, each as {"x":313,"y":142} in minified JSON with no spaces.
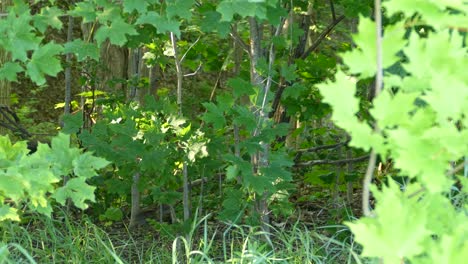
{"x":234,"y":131}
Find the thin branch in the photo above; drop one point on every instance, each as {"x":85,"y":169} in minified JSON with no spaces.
{"x":195,"y":72}
{"x":12,"y":122}
{"x":68,"y":75}
{"x":322,"y":162}
{"x":322,"y":36}
{"x":318,"y":148}
{"x":178,"y":71}
{"x":458,"y":168}
{"x":191,"y":46}
{"x":271,"y":60}
{"x":239,"y":40}
{"x":378,"y":88}
{"x":332,"y":7}
{"x":332,"y":146}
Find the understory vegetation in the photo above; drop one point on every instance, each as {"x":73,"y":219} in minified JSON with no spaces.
{"x":233,"y":131}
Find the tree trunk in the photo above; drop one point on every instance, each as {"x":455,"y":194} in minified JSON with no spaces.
{"x":261,"y":158}
{"x":180,"y":77}
{"x":5,"y":86}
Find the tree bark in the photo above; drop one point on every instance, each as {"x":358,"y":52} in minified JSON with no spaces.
{"x":5,"y":86}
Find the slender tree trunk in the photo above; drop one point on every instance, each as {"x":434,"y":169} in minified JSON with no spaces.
{"x":135,"y":209}
{"x":5,"y":86}
{"x":68,"y":77}
{"x":180,"y":76}
{"x":349,"y":184}
{"x":135,"y":71}
{"x":261,"y":158}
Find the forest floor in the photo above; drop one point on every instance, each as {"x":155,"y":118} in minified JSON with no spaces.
{"x":323,"y":215}
{"x":314,"y":233}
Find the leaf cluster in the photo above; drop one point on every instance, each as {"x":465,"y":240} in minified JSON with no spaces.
{"x":36,"y":180}
{"x":420,"y":122}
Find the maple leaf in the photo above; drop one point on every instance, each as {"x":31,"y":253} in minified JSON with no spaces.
{"x":82,"y":49}
{"x":49,"y":16}
{"x":180,"y":8}
{"x":162,"y":24}
{"x":10,"y":70}
{"x":78,"y":191}
{"x":138,"y":5}
{"x":86,"y":10}
{"x":244,"y":8}
{"x":116,"y":32}
{"x":43,"y":62}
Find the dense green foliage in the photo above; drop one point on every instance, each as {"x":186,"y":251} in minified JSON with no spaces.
{"x":225,"y":108}
{"x":421,"y":117}
{"x":32,"y":180}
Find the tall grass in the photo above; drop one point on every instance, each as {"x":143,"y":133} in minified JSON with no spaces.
{"x":67,"y":240}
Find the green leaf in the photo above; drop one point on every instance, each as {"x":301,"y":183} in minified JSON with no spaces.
{"x":232,"y":206}
{"x":112,"y":214}
{"x":240,"y":87}
{"x":392,"y":42}
{"x":78,"y":191}
{"x":43,"y":62}
{"x":62,"y":154}
{"x":294,"y":91}
{"x":162,"y":24}
{"x":116,"y":32}
{"x":407,"y":149}
{"x":49,"y":16}
{"x":231,"y":172}
{"x":19,"y":38}
{"x":289,"y":72}
{"x":20,"y":7}
{"x":244,"y":8}
{"x":225,"y":101}
{"x":86,"y":165}
{"x":402,"y":234}
{"x":244,"y":118}
{"x":341,"y":95}
{"x":82,"y":49}
{"x":401,"y":104}
{"x":72,"y":123}
{"x":274,"y":14}
{"x":179,"y":8}
{"x":139,"y":5}
{"x":86,"y":10}
{"x":10,"y":70}
{"x":12,"y":184}
{"x":212,"y":22}
{"x":214,"y":115}
{"x":8,"y":213}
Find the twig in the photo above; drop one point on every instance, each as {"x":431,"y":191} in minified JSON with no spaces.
{"x":332,"y":7}
{"x":195,"y":72}
{"x":12,"y":122}
{"x":332,"y":146}
{"x":458,"y":168}
{"x":318,"y":148}
{"x":322,"y":36}
{"x":191,"y":46}
{"x":239,"y":40}
{"x":322,"y":162}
